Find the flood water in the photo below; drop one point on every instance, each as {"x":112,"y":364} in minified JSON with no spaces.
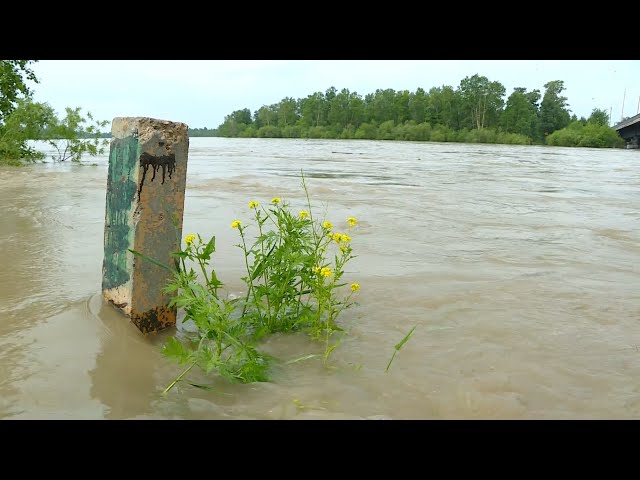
{"x":519,"y":267}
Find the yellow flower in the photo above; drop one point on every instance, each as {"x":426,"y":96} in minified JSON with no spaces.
{"x":340,"y":237}
{"x":344,"y":248}
{"x":355,"y":287}
{"x":303,"y":214}
{"x":316,"y":269}
{"x":327,"y":225}
{"x":235,"y":224}
{"x":352,"y":221}
{"x":275,"y":200}
{"x":253,"y":204}
{"x":189,"y":238}
{"x":325,"y":272}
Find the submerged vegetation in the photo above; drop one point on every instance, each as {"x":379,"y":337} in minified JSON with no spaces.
{"x":294,"y":268}
{"x":474,"y":112}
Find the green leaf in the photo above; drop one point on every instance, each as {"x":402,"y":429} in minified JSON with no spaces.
{"x":405,"y":339}
{"x":203,"y":387}
{"x":175,"y":350}
{"x":399,"y":346}
{"x":208,"y":249}
{"x":306,"y":357}
{"x":155,"y":262}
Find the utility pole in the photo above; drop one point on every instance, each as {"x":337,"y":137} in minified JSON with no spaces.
{"x":623,"y":99}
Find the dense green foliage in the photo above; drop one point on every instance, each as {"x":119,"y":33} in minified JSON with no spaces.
{"x":21,"y":119}
{"x":474,"y":112}
{"x":585,"y":134}
{"x":13,"y":86}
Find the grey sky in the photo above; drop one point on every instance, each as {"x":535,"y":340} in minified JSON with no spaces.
{"x":201,"y":92}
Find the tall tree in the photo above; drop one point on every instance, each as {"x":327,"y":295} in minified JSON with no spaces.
{"x":382,"y":105}
{"x":443,"y":107}
{"x":521,"y":112}
{"x":599,"y":117}
{"x":554,"y":113}
{"x":418,"y":105}
{"x":482,"y":101}
{"x":13,"y":84}
{"x":313,"y":110}
{"x":401,"y":106}
{"x":266,"y":116}
{"x":21,"y":119}
{"x":346,"y":109}
{"x":287,"y":112}
{"x":242,"y":116}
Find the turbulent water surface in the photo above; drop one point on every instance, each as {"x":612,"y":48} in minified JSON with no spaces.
{"x":518,"y":266}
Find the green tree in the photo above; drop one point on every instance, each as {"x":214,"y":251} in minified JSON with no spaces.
{"x":235,"y":123}
{"x":313,"y":110}
{"x":443,"y":107}
{"x":64,"y":133}
{"x":20,"y":119}
{"x":401,"y":106}
{"x":521,"y":113}
{"x":482,"y":101}
{"x":599,"y":117}
{"x":554,"y":113}
{"x":382,"y":105}
{"x":287,"y":112}
{"x":266,"y":116}
{"x":346,"y":110}
{"x":242,"y":116}
{"x":26,"y":121}
{"x":13,"y":86}
{"x":418,"y":105}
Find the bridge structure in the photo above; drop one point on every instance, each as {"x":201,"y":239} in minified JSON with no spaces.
{"x":629,"y":129}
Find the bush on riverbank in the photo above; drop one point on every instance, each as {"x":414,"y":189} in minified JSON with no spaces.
{"x":579,"y":134}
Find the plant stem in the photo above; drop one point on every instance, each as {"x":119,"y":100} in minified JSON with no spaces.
{"x":178,"y":378}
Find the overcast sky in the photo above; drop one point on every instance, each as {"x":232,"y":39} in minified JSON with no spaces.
{"x":201,"y":92}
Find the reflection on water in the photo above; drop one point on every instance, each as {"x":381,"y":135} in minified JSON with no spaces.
{"x":125,"y":363}
{"x":519,"y":267}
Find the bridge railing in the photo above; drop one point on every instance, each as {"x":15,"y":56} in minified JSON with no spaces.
{"x":627,"y":122}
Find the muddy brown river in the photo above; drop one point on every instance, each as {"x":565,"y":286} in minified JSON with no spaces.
{"x":519,"y":266}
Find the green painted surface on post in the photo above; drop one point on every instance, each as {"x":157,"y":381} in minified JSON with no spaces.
{"x":121,"y":190}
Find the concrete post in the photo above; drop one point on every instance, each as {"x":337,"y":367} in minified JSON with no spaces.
{"x":144,"y":207}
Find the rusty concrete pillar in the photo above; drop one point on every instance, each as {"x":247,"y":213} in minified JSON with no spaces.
{"x":145,"y":203}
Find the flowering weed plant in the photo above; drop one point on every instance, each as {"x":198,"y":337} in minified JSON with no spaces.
{"x":294,"y":265}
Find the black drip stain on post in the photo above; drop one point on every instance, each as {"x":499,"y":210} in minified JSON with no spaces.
{"x":166,"y":162}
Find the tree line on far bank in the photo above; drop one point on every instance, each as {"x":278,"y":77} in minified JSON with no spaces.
{"x":474,"y":112}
